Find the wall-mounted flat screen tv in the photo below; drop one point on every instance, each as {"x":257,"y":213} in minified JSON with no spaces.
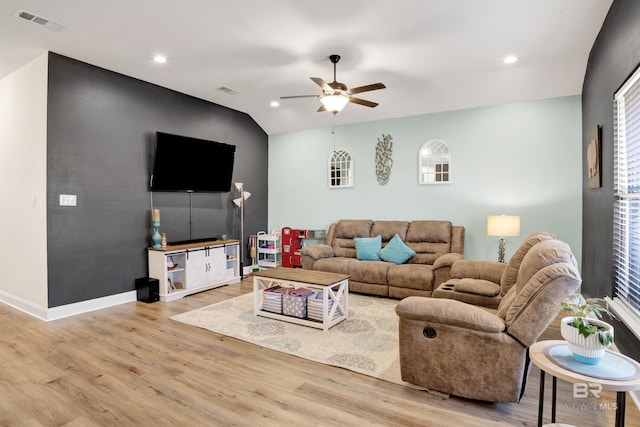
{"x":188,"y":164}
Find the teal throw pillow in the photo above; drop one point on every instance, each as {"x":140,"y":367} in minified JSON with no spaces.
{"x":367,"y":248}
{"x":396,"y":251}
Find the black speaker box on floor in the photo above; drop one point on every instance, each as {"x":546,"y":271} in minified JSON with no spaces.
{"x":148,"y":289}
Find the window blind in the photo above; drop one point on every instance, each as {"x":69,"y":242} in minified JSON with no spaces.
{"x":626,"y":220}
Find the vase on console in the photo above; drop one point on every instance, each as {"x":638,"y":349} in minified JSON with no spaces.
{"x":156,"y":237}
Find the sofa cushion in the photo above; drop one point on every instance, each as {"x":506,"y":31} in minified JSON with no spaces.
{"x":345,"y":231}
{"x":534,"y":274}
{"x":369,"y":288}
{"x":411,"y":276}
{"x":396,"y":251}
{"x":367,"y":248}
{"x":478,"y":269}
{"x":429,"y":239}
{"x":350,"y":228}
{"x":510,"y":274}
{"x":388,"y":229}
{"x":505,"y":303}
{"x":374,"y":272}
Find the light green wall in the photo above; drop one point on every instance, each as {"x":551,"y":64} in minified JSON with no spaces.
{"x":517,"y":159}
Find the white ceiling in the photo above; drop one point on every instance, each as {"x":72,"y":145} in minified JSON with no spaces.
{"x":433,"y":55}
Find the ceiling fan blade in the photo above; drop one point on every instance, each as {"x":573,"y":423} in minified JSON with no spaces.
{"x":363,"y":102}
{"x":322,"y":108}
{"x":324,"y":85}
{"x":374,"y":86}
{"x":300,"y":96}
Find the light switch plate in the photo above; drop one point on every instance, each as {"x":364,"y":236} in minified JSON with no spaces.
{"x":68,"y":200}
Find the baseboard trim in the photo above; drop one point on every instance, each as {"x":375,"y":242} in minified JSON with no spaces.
{"x":67,"y":310}
{"x":90,"y":305}
{"x":635,"y":397}
{"x":23,"y":305}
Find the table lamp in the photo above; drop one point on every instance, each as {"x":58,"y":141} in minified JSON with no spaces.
{"x":503,"y":226}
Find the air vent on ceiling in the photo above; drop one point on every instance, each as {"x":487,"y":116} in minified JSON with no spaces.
{"x":47,"y":23}
{"x":228,"y":90}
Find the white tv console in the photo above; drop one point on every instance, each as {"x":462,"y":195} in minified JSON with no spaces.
{"x":194,"y":267}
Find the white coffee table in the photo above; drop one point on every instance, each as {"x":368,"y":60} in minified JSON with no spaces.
{"x":335,"y":288}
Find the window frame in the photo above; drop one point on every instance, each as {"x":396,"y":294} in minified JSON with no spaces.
{"x":442,"y":150}
{"x":626,"y":205}
{"x":337,"y":181}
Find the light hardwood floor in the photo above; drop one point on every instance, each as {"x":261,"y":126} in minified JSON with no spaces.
{"x":131,"y":365}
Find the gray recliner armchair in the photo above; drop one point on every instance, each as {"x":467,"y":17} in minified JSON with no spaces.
{"x":465,"y":350}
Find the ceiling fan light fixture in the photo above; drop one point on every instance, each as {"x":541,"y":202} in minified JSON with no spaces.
{"x":335,"y":95}
{"x":334,"y":103}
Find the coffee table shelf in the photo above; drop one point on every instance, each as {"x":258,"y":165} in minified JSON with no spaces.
{"x":335,"y":288}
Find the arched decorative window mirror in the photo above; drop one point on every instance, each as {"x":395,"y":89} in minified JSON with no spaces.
{"x":434,"y":163}
{"x":340,"y":169}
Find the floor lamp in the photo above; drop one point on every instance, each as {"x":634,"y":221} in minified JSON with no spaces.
{"x":503,"y":226}
{"x":239,"y":202}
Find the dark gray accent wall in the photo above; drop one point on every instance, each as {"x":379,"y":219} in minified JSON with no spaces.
{"x":100,"y":140}
{"x":614,"y":56}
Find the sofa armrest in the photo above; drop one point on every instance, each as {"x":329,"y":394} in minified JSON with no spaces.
{"x":478,"y":269}
{"x":447,"y":260}
{"x":449,"y":312}
{"x":317,"y":252}
{"x":482,"y":287}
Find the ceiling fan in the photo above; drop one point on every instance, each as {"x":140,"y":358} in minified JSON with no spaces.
{"x":335,"y":95}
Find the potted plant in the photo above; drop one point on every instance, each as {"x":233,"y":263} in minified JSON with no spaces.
{"x":587,"y":335}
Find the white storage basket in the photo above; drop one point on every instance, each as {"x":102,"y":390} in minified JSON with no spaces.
{"x":294,"y":302}
{"x":314,"y":308}
{"x":272,"y":299}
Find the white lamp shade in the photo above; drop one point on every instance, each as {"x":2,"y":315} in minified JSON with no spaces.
{"x":245,"y":195}
{"x":503,"y":225}
{"x":334,"y":103}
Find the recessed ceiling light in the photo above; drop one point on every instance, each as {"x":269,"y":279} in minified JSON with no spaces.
{"x":511,"y":59}
{"x":275,"y":104}
{"x":160,"y":59}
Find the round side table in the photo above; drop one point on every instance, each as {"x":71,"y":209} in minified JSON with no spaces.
{"x":542,"y":357}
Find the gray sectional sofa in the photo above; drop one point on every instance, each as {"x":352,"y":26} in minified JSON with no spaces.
{"x":437,"y":244}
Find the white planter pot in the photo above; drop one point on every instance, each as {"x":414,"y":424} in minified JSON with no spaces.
{"x":586,"y":350}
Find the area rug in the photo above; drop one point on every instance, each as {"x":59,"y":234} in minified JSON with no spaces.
{"x":366,"y":342}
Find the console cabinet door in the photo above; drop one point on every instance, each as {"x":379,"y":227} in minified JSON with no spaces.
{"x":197,"y":268}
{"x":205,"y":266}
{"x":217,"y":264}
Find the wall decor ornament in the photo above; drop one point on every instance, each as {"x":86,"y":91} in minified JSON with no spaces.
{"x":384,"y":162}
{"x":594,"y":156}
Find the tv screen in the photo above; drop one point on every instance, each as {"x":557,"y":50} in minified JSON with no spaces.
{"x":192,"y":165}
